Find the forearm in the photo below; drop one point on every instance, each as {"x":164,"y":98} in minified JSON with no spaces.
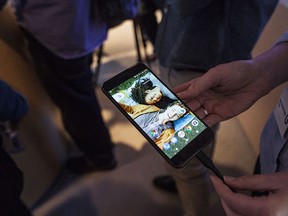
{"x":274,"y":65}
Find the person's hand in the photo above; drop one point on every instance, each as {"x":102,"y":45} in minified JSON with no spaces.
{"x":237,"y":204}
{"x":224,"y":91}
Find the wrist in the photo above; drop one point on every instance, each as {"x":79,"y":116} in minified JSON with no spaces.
{"x":264,"y":75}
{"x":261,"y":76}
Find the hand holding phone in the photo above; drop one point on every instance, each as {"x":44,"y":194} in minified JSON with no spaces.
{"x":161,"y":117}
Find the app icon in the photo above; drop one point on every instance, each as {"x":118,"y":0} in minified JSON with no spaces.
{"x":166,"y":146}
{"x":154,"y":134}
{"x":188,"y":128}
{"x":181,"y":134}
{"x":118,"y":96}
{"x":174,"y":140}
{"x":195,"y":122}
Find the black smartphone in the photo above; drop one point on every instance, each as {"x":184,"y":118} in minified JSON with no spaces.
{"x":161,"y":117}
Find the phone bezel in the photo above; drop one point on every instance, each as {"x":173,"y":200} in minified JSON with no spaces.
{"x":190,"y":150}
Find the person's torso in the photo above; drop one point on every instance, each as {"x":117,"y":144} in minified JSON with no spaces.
{"x":219,"y":32}
{"x":274,"y":139}
{"x":69,"y":29}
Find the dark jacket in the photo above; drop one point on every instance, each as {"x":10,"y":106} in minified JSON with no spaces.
{"x":198,"y":35}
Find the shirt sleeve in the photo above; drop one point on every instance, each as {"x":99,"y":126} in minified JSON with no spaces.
{"x":13,"y":105}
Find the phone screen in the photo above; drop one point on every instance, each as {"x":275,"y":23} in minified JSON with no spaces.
{"x":162,"y":117}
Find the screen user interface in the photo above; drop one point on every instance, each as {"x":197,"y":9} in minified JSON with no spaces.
{"x":158,"y":112}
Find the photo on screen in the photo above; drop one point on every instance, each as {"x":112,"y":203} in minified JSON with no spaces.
{"x":155,"y":109}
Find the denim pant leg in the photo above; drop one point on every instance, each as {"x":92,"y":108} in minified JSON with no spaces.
{"x":192,"y":181}
{"x":69,"y":84}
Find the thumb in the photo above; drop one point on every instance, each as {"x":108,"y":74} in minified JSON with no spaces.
{"x":234,"y":203}
{"x":251,"y":182}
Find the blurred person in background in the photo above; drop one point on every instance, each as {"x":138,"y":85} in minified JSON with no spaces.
{"x":61,"y":37}
{"x":149,"y":22}
{"x":194,"y":36}
{"x":230,"y":89}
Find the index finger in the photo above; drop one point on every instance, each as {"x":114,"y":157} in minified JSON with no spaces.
{"x":196,"y":86}
{"x":263,"y":182}
{"x":182,"y":87}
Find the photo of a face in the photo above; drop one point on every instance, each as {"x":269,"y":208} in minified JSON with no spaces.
{"x":156,"y":110}
{"x":153,"y":95}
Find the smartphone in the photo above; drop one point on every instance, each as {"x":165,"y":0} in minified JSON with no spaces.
{"x":161,"y":117}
